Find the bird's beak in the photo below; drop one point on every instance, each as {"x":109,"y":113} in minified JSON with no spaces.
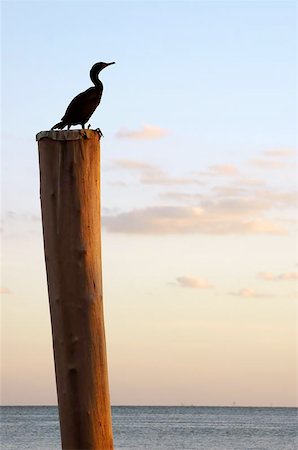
{"x":108,"y":64}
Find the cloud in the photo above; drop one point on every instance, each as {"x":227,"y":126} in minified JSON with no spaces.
{"x":152,"y":174}
{"x":134,"y":165}
{"x":249,"y":293}
{"x":267,"y":164}
{"x":162,"y":178}
{"x":248,"y":190}
{"x":194,"y":283}
{"x":287,"y":276}
{"x":281,"y":153}
{"x":180,"y":197}
{"x":248,"y":182}
{"x":17,"y":223}
{"x":186,"y":220}
{"x":257,"y":200}
{"x":222,"y":170}
{"x":21,"y":216}
{"x":4,"y":290}
{"x":239,"y":207}
{"x":146,"y":132}
{"x":118,"y":184}
{"x":272,"y":159}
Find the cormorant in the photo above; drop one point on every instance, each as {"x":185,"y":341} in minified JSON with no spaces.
{"x":84,"y":104}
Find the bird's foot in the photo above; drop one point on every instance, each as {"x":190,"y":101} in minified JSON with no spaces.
{"x":99,"y":132}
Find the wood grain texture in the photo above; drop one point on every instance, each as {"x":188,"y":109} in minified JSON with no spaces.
{"x":70,"y":201}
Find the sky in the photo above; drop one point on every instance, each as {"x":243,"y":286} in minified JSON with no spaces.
{"x":198,"y":195}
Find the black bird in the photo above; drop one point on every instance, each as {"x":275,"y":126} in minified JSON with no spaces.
{"x":83,"y":105}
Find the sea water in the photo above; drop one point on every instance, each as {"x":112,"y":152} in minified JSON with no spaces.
{"x":162,"y":428}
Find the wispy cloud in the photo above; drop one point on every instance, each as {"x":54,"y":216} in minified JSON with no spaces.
{"x":118,"y":184}
{"x":21,"y":216}
{"x":287,"y":276}
{"x":153,"y":174}
{"x":185,"y":198}
{"x":273,"y":159}
{"x":183,"y":220}
{"x":249,"y":203}
{"x":131,"y":164}
{"x":221,"y":170}
{"x":240,"y":211}
{"x":16,"y":223}
{"x":249,"y":293}
{"x":279,"y":153}
{"x":193,"y":283}
{"x":146,"y":132}
{"x":242,"y":206}
{"x":4,"y":290}
{"x":267,"y":164}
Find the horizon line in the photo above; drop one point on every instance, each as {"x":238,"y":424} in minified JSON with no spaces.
{"x":158,"y":406}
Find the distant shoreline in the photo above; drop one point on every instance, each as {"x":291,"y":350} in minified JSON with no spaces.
{"x":162,"y":406}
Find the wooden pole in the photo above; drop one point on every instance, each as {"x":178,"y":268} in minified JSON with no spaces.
{"x":70,"y":202}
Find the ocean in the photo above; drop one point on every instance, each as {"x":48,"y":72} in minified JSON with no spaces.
{"x":162,"y":428}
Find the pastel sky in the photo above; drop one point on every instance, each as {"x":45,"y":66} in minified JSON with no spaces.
{"x":198,"y":195}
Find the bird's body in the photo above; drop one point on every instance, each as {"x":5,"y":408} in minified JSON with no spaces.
{"x":81,"y":108}
{"x":84,"y":104}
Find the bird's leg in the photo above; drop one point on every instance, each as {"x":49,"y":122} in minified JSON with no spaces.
{"x":89,"y":126}
{"x":83,"y":126}
{"x":99,"y":132}
{"x":68,"y":127}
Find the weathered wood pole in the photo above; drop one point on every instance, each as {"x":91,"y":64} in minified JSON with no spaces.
{"x":70,"y":202}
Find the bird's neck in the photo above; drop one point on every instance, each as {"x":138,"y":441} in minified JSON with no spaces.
{"x":96,"y":81}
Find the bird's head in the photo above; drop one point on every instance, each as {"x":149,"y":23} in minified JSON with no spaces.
{"x":96,"y":68}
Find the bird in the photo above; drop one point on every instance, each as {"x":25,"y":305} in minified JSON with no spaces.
{"x":84,"y":104}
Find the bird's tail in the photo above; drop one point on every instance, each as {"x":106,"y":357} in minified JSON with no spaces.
{"x":59,"y":125}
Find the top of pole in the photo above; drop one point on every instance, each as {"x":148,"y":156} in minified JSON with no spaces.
{"x":68,"y":135}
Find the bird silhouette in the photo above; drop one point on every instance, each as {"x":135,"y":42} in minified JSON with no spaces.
{"x":84,"y":104}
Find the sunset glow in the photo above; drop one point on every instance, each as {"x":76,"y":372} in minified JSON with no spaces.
{"x":198,"y":189}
